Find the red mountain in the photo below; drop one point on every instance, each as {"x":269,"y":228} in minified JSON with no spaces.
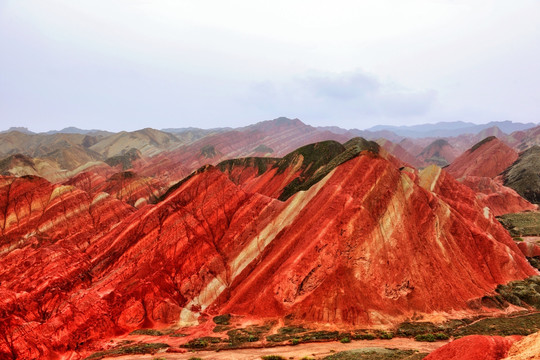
{"x":488,"y":158}
{"x":439,"y":152}
{"x":354,"y":240}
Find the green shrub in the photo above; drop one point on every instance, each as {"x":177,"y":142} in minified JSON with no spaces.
{"x":320,"y":335}
{"x":145,"y":348}
{"x":239,"y":336}
{"x":345,"y":340}
{"x":178,"y":335}
{"x":222,"y":319}
{"x":272,"y":357}
{"x":386,"y":335}
{"x":196,"y":344}
{"x":291,"y":330}
{"x":503,"y":326}
{"x":295,"y":341}
{"x":441,"y":336}
{"x":425,"y":337}
{"x":151,"y":332}
{"x":364,"y":337}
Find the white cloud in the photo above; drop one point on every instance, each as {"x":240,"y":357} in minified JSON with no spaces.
{"x":209,"y":63}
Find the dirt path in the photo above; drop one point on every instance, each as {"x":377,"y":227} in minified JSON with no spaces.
{"x":316,"y":350}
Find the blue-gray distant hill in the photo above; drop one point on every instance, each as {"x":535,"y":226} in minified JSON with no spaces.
{"x":75,"y":130}
{"x":447,"y":129}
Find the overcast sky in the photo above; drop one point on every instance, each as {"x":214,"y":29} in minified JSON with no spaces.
{"x":130,"y":64}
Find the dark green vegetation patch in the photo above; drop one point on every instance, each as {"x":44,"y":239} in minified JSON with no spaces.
{"x":151,"y":332}
{"x":319,"y":159}
{"x":522,"y":292}
{"x":249,"y":334}
{"x":431,"y":337}
{"x":126,"y":159}
{"x":413,"y":329}
{"x":138,"y":349}
{"x":522,"y":175}
{"x":535,"y":262}
{"x":260,"y":163}
{"x":521,"y":224}
{"x":202,"y":342}
{"x":222,"y":319}
{"x":377,"y":354}
{"x":504,"y":326}
{"x":480,"y":143}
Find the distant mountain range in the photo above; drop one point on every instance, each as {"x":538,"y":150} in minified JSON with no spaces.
{"x":453,"y":128}
{"x":390,"y":132}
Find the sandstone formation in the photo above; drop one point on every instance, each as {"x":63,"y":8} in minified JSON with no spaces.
{"x":526,"y":349}
{"x":475,"y":347}
{"x":498,"y":198}
{"x":488,"y":158}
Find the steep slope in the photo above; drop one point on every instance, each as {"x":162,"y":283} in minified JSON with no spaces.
{"x":522,"y":175}
{"x":497,"y":197}
{"x":488,"y":158}
{"x":372,"y":205}
{"x":127,"y":186}
{"x":296,"y":171}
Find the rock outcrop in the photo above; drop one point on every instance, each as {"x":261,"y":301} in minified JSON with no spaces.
{"x":527,"y":348}
{"x":475,"y":347}
{"x":497,"y":197}
{"x":488,"y":158}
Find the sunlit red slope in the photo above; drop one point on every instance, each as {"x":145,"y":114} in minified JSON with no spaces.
{"x":497,"y":197}
{"x":368,"y":228}
{"x":488,"y":158}
{"x":127,"y":186}
{"x":480,"y":167}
